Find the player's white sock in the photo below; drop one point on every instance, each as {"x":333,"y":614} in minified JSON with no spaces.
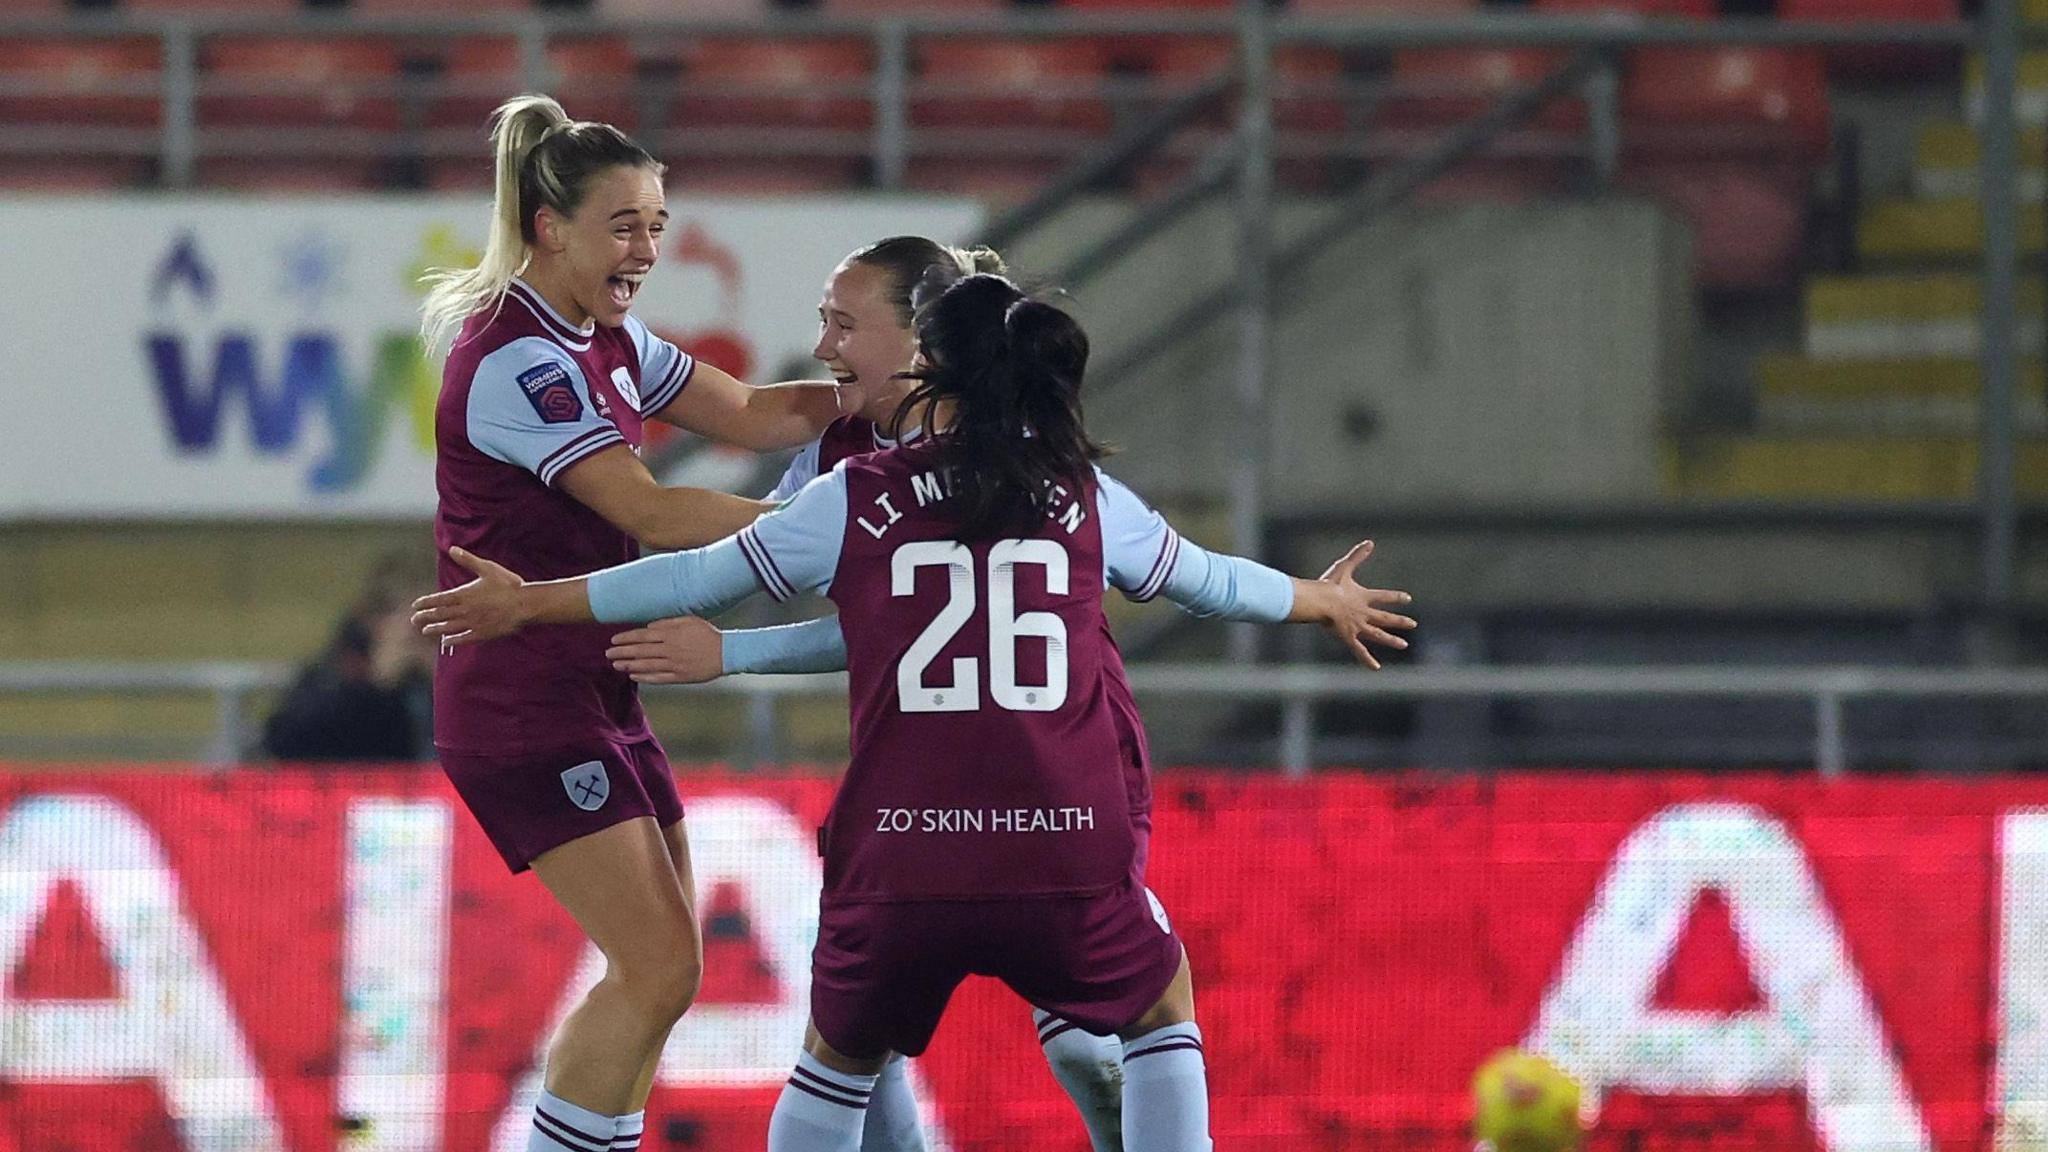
{"x":1091,"y":1069}
{"x":820,"y":1110}
{"x":626,"y":1138}
{"x":893,"y":1124}
{"x":1166,"y":1092}
{"x":559,"y":1126}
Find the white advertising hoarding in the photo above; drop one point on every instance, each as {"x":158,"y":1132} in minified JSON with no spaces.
{"x":257,"y":358}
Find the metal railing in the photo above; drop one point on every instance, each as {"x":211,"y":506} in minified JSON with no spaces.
{"x":1299,"y":690}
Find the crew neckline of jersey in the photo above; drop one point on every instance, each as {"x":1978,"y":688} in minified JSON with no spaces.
{"x":531,"y":295}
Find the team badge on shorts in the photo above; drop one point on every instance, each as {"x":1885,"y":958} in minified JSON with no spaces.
{"x":1158,"y":912}
{"x":587,"y":785}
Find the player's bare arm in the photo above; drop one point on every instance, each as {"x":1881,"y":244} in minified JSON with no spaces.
{"x":498,"y":603}
{"x":617,"y":486}
{"x":761,"y":419}
{"x":1351,"y":611}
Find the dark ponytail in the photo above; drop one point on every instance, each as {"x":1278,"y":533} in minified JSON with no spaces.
{"x":1011,"y":366}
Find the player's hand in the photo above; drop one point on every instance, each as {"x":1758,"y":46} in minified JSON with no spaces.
{"x":486,"y":608}
{"x":1352,"y":611}
{"x":679,"y":650}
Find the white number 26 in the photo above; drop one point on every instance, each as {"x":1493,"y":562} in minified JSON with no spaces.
{"x":1005,"y":627}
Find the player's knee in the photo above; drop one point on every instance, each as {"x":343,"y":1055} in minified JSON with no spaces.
{"x":661,"y":983}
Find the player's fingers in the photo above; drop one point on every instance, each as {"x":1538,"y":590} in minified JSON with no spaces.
{"x":636,"y":636}
{"x":656,"y":678}
{"x":1390,"y":619}
{"x":437,"y":599}
{"x":641,"y":666}
{"x":1382,"y":636}
{"x":482,"y":567}
{"x":1363,"y":653}
{"x":619,"y":652}
{"x":460,"y":639}
{"x":1349,"y":562}
{"x":1388,"y":596}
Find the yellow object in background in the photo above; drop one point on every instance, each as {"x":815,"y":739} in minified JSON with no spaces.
{"x":1524,"y":1103}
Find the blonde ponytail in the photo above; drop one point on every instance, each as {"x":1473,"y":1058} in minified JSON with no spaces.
{"x":455,"y":294}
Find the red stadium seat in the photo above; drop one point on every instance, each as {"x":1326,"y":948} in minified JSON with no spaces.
{"x":1739,"y":101}
{"x":1307,"y":80}
{"x":913,"y":7}
{"x":593,"y":78}
{"x":1147,"y":5}
{"x":1011,"y":86}
{"x":1383,"y":7}
{"x":412,"y":7}
{"x":1697,"y":9}
{"x":70,"y":174}
{"x":699,"y":9}
{"x":237,"y":6}
{"x":88,"y":83}
{"x":299,"y":83}
{"x":1748,"y":220}
{"x":760,"y":83}
{"x":1435,"y":87}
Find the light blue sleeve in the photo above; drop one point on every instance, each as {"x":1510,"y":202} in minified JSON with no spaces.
{"x":1138,"y":545}
{"x":664,"y":368}
{"x":1145,"y":557}
{"x":801,"y":471}
{"x":529,"y":405}
{"x":812,"y":646}
{"x":694,"y":582}
{"x":794,"y":548}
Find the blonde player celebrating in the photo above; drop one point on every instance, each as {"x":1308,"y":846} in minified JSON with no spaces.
{"x":969,"y":568}
{"x":865,"y":340}
{"x":544,"y":398}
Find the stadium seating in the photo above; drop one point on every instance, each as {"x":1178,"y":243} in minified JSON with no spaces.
{"x":1307,"y":79}
{"x":1751,"y":102}
{"x":299,"y":83}
{"x":761,"y":83}
{"x":593,"y":77}
{"x":100,"y":83}
{"x":1382,"y":7}
{"x":1011,"y":85}
{"x":1433,"y":89}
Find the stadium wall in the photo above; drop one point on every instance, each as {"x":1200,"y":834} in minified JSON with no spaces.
{"x":294,"y":960}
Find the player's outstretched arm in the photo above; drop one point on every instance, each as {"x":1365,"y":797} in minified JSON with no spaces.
{"x":687,"y":650}
{"x":498,"y":602}
{"x":761,"y":419}
{"x":617,"y":486}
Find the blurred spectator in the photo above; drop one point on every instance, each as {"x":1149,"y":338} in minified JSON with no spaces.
{"x":369,"y":694}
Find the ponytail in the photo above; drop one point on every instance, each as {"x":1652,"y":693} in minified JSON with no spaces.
{"x":1012,"y":367}
{"x":541,"y":158}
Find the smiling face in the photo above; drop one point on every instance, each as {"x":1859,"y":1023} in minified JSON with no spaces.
{"x":590,"y":265}
{"x":862,"y":338}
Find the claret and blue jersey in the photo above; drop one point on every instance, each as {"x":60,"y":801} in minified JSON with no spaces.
{"x":525,"y":396}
